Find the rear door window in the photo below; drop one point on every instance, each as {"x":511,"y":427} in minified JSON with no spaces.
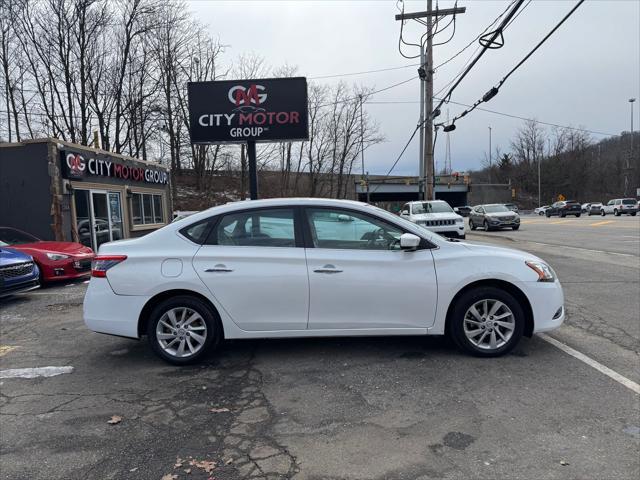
{"x":256,"y":228}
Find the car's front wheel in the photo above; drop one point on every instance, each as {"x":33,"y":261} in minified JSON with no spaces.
{"x":181,"y":329}
{"x":486,"y":322}
{"x":472,"y":225}
{"x":602,"y":213}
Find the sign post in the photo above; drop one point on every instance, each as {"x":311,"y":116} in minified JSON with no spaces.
{"x":248,"y":111}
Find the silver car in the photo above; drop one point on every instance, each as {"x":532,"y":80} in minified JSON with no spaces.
{"x":493,"y":216}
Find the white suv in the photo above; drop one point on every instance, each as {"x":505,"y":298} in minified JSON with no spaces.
{"x":435,"y":215}
{"x":619,"y":206}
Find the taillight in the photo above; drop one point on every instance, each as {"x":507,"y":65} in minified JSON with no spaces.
{"x":102,"y":263}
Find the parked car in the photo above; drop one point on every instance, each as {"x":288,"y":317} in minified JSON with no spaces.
{"x":493,"y":216}
{"x":463,"y":211}
{"x":334,"y":268}
{"x":541,"y":210}
{"x":435,"y":215}
{"x":594,"y":208}
{"x":18,"y":272}
{"x":56,"y":260}
{"x":512,"y":206}
{"x":564,"y":208}
{"x":620,"y":206}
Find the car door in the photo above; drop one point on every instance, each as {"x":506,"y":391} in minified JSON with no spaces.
{"x":253,"y":263}
{"x":478,"y":215}
{"x":406,"y":211}
{"x":359,"y":278}
{"x":608,"y":208}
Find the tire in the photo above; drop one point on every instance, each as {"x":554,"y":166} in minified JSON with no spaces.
{"x":207,"y":322}
{"x":578,"y":215}
{"x":516,"y":227}
{"x":472,"y":225}
{"x":461,"y":313}
{"x":562,"y":214}
{"x":463,"y":237}
{"x":541,"y":213}
{"x":486,"y":226}
{"x":602,"y":213}
{"x":633,"y":214}
{"x":616,"y":213}
{"x":548,"y":214}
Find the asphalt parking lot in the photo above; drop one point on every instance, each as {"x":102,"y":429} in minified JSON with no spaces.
{"x":367,"y":408}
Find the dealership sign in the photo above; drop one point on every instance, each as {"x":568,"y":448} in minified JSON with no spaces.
{"x":248,"y":110}
{"x":79,"y":166}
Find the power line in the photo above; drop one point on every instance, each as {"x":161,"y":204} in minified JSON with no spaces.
{"x":364,"y":72}
{"x":510,"y":115}
{"x":368,"y":94}
{"x":494,"y":90}
{"x":486,"y":46}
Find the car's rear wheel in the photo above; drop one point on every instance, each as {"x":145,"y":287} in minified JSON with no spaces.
{"x":486,"y":322}
{"x":616,"y":213}
{"x":578,"y":215}
{"x":541,"y":213}
{"x":181,"y":329}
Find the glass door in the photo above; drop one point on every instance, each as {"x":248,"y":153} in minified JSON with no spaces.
{"x":101,"y":218}
{"x":84,"y":223}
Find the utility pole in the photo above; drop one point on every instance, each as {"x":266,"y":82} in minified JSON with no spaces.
{"x":489,"y":154}
{"x":626,"y":173}
{"x":426,"y":94}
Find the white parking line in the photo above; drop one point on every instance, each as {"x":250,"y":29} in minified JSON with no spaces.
{"x":630,"y":384}
{"x":34,"y":372}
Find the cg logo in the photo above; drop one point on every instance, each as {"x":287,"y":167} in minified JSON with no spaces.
{"x":241,"y":96}
{"x":76,"y":163}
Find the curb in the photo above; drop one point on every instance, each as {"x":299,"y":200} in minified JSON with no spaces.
{"x":490,"y":235}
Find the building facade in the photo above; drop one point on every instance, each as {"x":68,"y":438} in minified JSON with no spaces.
{"x":57,"y":190}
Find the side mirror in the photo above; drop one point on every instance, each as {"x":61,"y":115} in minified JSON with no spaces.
{"x":409,"y":241}
{"x":344,"y":218}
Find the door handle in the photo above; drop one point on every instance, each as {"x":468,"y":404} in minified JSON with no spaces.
{"x":328,"y":269}
{"x":220,"y":268}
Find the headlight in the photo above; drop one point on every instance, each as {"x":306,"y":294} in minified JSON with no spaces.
{"x":56,"y":256}
{"x":459,"y":220}
{"x":517,"y":219}
{"x":544,"y":271}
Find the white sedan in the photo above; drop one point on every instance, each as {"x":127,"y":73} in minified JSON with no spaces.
{"x":314,"y":268}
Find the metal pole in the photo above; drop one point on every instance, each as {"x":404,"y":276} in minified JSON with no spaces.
{"x":361,"y":137}
{"x":367,"y":180}
{"x":253,"y":170}
{"x":421,"y":185}
{"x":489,"y":154}
{"x":428,"y":177}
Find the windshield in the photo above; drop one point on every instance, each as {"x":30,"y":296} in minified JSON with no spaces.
{"x":495,"y":208}
{"x":629,"y":201}
{"x":11,"y":236}
{"x":430,"y":207}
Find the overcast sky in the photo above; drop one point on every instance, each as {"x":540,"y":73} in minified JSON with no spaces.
{"x":582,"y":76}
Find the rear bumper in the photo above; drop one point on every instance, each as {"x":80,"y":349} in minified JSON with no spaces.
{"x":547,"y":303}
{"x":105,"y":312}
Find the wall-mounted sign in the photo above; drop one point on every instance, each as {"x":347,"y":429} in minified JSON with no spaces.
{"x":260,"y":110}
{"x":81,"y":166}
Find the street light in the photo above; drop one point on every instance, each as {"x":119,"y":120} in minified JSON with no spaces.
{"x":626,"y":174}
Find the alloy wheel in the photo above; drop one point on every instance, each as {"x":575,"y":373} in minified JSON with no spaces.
{"x":489,"y":324}
{"x":181,"y":332}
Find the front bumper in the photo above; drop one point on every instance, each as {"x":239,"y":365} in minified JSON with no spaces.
{"x":67,"y":269}
{"x":21,"y":287}
{"x":453,"y":231}
{"x":547,"y":304}
{"x":105,"y":312}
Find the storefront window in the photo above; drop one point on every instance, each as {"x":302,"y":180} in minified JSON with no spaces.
{"x":147,"y":209}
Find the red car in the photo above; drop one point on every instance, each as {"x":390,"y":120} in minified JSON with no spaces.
{"x":56,"y":260}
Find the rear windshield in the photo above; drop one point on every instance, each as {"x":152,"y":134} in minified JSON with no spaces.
{"x":629,"y":201}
